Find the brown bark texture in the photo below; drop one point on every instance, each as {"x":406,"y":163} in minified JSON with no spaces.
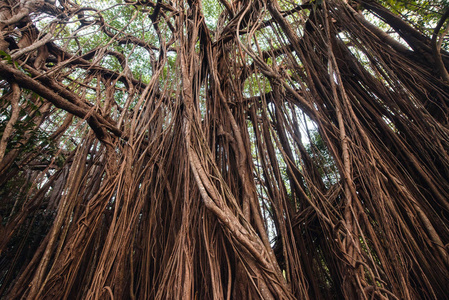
{"x":254,"y":149}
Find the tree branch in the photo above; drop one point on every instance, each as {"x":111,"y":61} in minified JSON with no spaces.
{"x":13,"y":75}
{"x":436,"y":47}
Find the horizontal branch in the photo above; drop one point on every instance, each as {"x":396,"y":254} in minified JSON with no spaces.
{"x":9,"y":73}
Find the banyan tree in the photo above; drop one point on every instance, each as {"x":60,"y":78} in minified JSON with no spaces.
{"x":220,"y":149}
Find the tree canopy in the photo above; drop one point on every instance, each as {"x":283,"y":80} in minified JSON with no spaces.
{"x":248,"y":149}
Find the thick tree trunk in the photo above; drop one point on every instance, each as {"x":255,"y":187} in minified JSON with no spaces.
{"x":243,"y":150}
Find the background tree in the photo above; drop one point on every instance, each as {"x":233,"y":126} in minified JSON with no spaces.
{"x":224,"y":150}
